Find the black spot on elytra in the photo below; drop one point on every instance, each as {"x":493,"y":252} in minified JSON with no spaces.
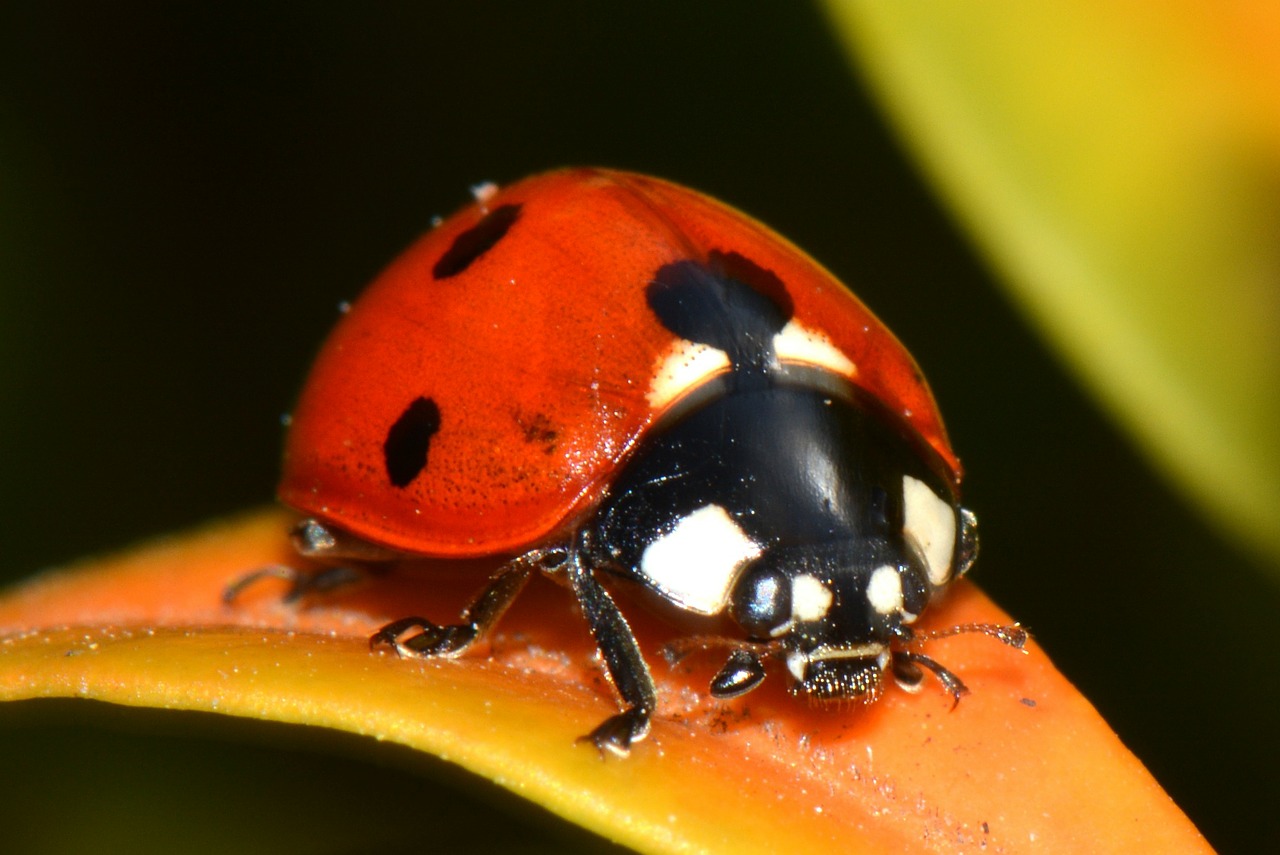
{"x":738,"y":267}
{"x":476,"y":241}
{"x":730,"y":303}
{"x":405,"y":449}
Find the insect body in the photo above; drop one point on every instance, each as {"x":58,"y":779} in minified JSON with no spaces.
{"x":598,"y":373}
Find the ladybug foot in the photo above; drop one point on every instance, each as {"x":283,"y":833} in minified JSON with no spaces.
{"x":907,"y":671}
{"x":617,"y":733}
{"x":301,"y":583}
{"x":431,"y":640}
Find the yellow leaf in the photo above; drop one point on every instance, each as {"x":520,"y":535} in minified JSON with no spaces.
{"x":1024,"y":763}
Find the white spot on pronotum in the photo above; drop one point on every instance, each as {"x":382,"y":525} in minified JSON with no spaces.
{"x":797,"y":343}
{"x":884,"y":590}
{"x":689,"y":364}
{"x":685,"y":366}
{"x":810,"y":599}
{"x":696,"y":564}
{"x":930,"y":523}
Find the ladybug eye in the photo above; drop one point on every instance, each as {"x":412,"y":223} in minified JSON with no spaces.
{"x":761,"y":601}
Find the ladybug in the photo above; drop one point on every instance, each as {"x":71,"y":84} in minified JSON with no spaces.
{"x":599,"y":374}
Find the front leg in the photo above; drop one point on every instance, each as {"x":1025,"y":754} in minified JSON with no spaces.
{"x":622,"y":659}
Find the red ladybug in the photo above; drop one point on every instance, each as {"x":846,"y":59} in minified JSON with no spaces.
{"x":598,"y":373}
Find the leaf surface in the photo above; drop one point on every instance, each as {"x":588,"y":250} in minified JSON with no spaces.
{"x":1023,"y":764}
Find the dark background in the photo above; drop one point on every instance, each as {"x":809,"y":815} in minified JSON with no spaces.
{"x":187,"y":193}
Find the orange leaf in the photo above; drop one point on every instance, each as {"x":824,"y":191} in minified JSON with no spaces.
{"x":1024,"y":762}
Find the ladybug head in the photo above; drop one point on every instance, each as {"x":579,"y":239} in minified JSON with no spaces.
{"x":838,"y":616}
{"x":832,"y":611}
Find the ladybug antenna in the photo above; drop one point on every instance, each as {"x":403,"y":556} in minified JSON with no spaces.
{"x":908,"y":666}
{"x":1011,"y":634}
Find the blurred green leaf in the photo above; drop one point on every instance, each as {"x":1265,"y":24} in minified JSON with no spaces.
{"x":1120,"y":165}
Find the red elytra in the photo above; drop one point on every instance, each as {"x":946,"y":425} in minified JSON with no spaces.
{"x":522,"y":320}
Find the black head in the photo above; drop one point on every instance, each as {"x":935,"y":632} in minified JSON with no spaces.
{"x":833,"y":611}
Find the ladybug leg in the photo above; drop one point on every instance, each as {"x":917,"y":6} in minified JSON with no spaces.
{"x":313,"y":539}
{"x":433,"y":639}
{"x":622,"y":659}
{"x":906,"y":669}
{"x":302,"y":583}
